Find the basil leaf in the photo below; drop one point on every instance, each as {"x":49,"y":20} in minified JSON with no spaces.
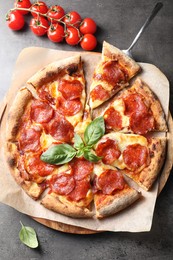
{"x":59,"y":154}
{"x":91,"y":157}
{"x":94,"y":131}
{"x":28,"y":236}
{"x":79,"y":153}
{"x":78,"y":142}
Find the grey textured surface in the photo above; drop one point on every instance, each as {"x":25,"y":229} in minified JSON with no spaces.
{"x":118,"y":22}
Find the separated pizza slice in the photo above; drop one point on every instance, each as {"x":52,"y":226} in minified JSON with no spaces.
{"x":70,"y":190}
{"x":62,"y":85}
{"x":111,"y":191}
{"x":139,"y":157}
{"x":111,"y":75}
{"x":135,"y":110}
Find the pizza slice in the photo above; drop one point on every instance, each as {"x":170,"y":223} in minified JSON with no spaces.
{"x":70,"y":190}
{"x":135,"y":110}
{"x":33,"y":126}
{"x":111,"y":191}
{"x":138,"y":157}
{"x":62,"y":85}
{"x":111,"y":75}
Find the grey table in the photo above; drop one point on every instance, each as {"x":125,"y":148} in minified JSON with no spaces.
{"x":118,"y":22}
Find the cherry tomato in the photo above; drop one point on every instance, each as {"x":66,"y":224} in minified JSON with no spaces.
{"x":55,"y":12}
{"x":56,"y":33}
{"x":40,"y":7}
{"x":72,"y":18}
{"x":88,"y":42}
{"x":15,"y":20}
{"x":88,"y":26}
{"x":22,"y":4}
{"x":39,"y":25}
{"x":73,"y":36}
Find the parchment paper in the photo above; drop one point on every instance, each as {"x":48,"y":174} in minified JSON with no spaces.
{"x":136,"y":218}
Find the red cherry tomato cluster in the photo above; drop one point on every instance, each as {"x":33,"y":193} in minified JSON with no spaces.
{"x":54,"y":22}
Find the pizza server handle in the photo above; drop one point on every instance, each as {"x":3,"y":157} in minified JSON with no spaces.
{"x":156,"y":9}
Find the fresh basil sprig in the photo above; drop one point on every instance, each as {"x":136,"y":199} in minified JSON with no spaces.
{"x":64,"y":153}
{"x":28,"y":236}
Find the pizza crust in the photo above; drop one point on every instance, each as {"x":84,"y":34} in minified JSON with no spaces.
{"x":31,"y":188}
{"x":16,"y":111}
{"x":107,"y":205}
{"x":52,"y":202}
{"x":52,"y":71}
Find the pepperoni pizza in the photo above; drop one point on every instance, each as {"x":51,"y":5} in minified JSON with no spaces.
{"x":138,"y":157}
{"x":135,"y":110}
{"x":38,"y":119}
{"x":112,"y":74}
{"x":51,"y":109}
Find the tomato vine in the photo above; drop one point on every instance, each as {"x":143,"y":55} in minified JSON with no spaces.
{"x":54,"y":22}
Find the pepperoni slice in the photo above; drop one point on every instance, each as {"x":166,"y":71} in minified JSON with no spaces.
{"x":142,"y":123}
{"x":113,"y":119}
{"x":70,"y":89}
{"x":113,"y":73}
{"x":81,"y":168}
{"x":37,"y":167}
{"x":80,"y":190}
{"x":68,"y":107}
{"x":41,"y":112}
{"x":135,"y":156}
{"x":29,"y":140}
{"x":108,"y":150}
{"x":133,"y":103}
{"x":109,"y":181}
{"x":99,"y":93}
{"x":44,"y":94}
{"x":60,"y":129}
{"x":62,"y":183}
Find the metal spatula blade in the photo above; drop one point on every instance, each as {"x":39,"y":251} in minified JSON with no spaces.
{"x":155,"y":10}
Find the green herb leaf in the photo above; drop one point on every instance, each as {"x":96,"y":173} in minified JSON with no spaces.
{"x":88,"y":155}
{"x":94,"y":131}
{"x":78,"y":142}
{"x":59,"y":154}
{"x":28,"y":236}
{"x":79,"y":153}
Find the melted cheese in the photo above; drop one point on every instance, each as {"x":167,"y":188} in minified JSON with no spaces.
{"x":64,"y":168}
{"x":100,"y":167}
{"x":53,"y":88}
{"x":120,"y":107}
{"x":74,"y":120}
{"x":82,"y":203}
{"x":46,"y":140}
